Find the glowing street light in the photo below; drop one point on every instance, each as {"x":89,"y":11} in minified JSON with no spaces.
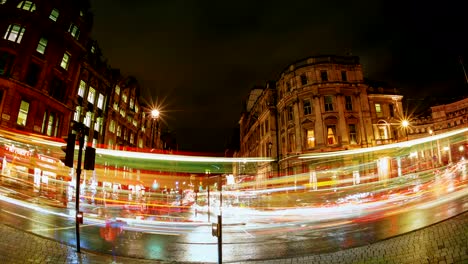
{"x":405,"y":124}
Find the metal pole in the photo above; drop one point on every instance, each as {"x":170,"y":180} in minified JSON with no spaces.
{"x":220,"y":239}
{"x":220,"y":223}
{"x":208,"y":203}
{"x":157,"y":132}
{"x":77,"y":194}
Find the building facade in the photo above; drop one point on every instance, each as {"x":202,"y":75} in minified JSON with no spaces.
{"x":41,"y":51}
{"x":318,"y":104}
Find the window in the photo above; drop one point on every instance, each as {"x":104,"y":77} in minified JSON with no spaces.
{"x":14,"y":33}
{"x":112,"y":126}
{"x":27,"y":5}
{"x":343,"y":76}
{"x":290,"y":113}
{"x":132,"y":103}
{"x":57,"y":88}
{"x":2,"y":2}
{"x":392,"y":110}
{"x":91,"y":95}
{"x":93,"y":49}
{"x":41,"y":46}
{"x":74,"y":31}
{"x":77,"y":114}
{"x":352,"y":134}
{"x":50,"y":124}
{"x":82,"y":88}
{"x":288,"y":86}
{"x":303,"y":79}
{"x":119,"y":131}
{"x":98,"y":124}
{"x":54,"y":14}
{"x":324,"y":76}
{"x":6,"y":60}
{"x":310,"y":138}
{"x":348,"y":103}
{"x":378,"y":110}
{"x":331,"y":134}
{"x":100,"y":103}
{"x":117,"y":89}
{"x":23,"y":113}
{"x":33,"y":74}
{"x":292,"y":143}
{"x":65,"y":61}
{"x":87,"y":119}
{"x":124,"y":98}
{"x":307,"y":107}
{"x":328,"y":103}
{"x":136,"y":108}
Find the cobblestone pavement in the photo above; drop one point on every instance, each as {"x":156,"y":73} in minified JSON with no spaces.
{"x":445,"y":242}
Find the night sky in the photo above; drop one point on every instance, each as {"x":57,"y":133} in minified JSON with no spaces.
{"x":199,"y":59}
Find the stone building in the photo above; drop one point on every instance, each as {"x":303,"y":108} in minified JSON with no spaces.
{"x":41,"y":51}
{"x":318,"y":104}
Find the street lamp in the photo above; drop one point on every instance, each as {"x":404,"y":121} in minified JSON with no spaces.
{"x":155,"y":116}
{"x":405,"y":124}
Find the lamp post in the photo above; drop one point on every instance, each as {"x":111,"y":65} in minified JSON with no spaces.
{"x":155,"y":116}
{"x":405,"y":124}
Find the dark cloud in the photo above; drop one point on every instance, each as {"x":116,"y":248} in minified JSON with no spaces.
{"x":202,"y":57}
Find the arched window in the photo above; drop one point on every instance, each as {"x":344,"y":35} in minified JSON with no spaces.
{"x":27,"y":5}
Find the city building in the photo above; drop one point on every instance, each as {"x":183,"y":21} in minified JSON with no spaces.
{"x":41,"y":52}
{"x":318,"y":104}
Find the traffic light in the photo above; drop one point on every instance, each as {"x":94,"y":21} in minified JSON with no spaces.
{"x":69,"y":150}
{"x":89,"y":158}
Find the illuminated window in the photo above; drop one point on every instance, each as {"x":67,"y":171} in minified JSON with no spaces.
{"x":50,"y":124}
{"x":307,"y":107}
{"x":2,"y":2}
{"x":91,"y":95}
{"x":23,"y":113}
{"x":378,"y":110}
{"x":88,"y":118}
{"x":117,"y":89}
{"x":77,"y":114}
{"x":100,"y":103}
{"x":82,"y":88}
{"x":352,"y":134}
{"x":140,"y":143}
{"x":27,"y":5}
{"x":14,"y":33}
{"x":65,"y":61}
{"x":54,"y":14}
{"x":348,"y":103}
{"x":116,"y":106}
{"x":331,"y":134}
{"x":119,"y":131}
{"x":112,"y":126}
{"x":310,"y":138}
{"x":124,"y":98}
{"x":328,"y":103}
{"x":98,"y":124}
{"x":132,"y":138}
{"x":132,"y":103}
{"x":74,"y":31}
{"x":41,"y":46}
{"x":93,"y":49}
{"x":136,"y":108}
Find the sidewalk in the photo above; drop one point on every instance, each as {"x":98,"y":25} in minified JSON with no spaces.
{"x":445,"y":242}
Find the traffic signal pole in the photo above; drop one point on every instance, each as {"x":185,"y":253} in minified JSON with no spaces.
{"x":77,"y":189}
